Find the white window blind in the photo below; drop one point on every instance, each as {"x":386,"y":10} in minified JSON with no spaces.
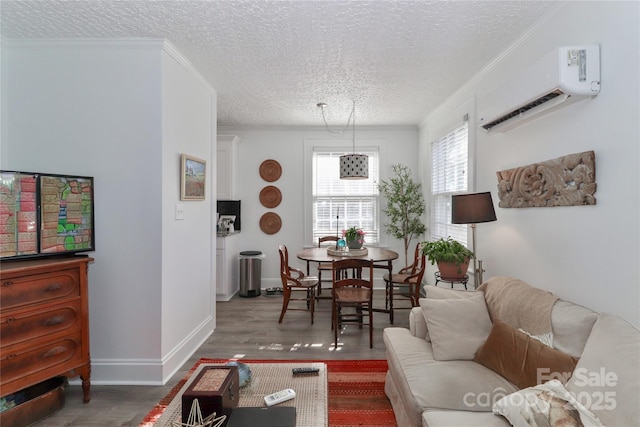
{"x":449,"y":175}
{"x":354,"y":201}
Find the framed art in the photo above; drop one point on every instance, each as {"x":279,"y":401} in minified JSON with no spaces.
{"x":193,"y":176}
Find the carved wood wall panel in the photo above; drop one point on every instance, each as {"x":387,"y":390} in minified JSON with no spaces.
{"x":565,"y":181}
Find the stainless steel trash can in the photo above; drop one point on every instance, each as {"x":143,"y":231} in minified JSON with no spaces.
{"x":250,"y":273}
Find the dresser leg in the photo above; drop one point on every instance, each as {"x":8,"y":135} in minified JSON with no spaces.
{"x":86,"y":384}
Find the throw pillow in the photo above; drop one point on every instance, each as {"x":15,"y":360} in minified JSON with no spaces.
{"x":435,"y":292}
{"x":521,"y":359}
{"x":545,"y":405}
{"x":457,"y":327}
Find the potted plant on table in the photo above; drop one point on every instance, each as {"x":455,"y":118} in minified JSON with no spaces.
{"x":354,"y":237}
{"x":451,"y":256}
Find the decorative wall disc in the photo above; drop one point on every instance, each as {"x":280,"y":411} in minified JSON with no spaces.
{"x":270,"y":170}
{"x":270,"y":223}
{"x":270,"y":196}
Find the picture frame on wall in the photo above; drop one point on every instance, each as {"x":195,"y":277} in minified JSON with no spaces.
{"x":193,"y":177}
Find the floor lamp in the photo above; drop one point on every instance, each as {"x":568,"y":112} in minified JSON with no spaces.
{"x":473,"y":209}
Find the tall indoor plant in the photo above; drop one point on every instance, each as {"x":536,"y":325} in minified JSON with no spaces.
{"x":405,"y":206}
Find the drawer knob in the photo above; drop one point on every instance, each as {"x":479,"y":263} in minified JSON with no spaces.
{"x":55,"y":320}
{"x":10,"y":320}
{"x":55,"y":351}
{"x":53,"y":287}
{"x":7,"y":283}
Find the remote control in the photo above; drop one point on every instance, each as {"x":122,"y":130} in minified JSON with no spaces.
{"x":298,"y":371}
{"x":279,"y":397}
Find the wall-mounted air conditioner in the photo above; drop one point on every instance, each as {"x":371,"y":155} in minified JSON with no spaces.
{"x":563,"y":76}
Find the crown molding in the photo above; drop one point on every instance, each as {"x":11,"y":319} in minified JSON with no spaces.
{"x":226,"y":129}
{"x":110,"y":43}
{"x":153,"y":44}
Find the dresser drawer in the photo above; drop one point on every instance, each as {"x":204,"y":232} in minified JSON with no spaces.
{"x":26,"y":325}
{"x":38,"y":288}
{"x":19,"y":362}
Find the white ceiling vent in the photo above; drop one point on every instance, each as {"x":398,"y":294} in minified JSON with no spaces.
{"x":560,"y":78}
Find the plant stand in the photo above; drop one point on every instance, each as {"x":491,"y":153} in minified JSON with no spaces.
{"x":462,"y":280}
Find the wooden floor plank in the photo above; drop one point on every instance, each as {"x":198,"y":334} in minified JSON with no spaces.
{"x":247,"y":326}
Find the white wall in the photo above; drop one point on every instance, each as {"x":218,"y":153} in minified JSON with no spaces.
{"x":398,"y":145}
{"x":188,"y":251}
{"x":586,"y":254}
{"x":110,"y":109}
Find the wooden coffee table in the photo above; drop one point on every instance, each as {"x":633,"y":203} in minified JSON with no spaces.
{"x":311,"y":392}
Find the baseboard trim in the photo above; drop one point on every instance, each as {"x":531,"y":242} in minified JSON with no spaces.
{"x":155,"y":372}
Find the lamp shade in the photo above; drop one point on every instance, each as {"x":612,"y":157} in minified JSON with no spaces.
{"x":472,"y":208}
{"x":354,"y":166}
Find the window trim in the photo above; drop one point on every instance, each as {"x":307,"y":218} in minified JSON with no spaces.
{"x":471,"y":137}
{"x":337,"y":144}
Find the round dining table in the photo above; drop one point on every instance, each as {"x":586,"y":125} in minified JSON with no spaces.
{"x":382,"y":258}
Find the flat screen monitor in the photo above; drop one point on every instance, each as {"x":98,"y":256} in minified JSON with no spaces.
{"x":44,"y":214}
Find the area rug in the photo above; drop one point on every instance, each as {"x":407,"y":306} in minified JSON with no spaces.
{"x":355,"y":392}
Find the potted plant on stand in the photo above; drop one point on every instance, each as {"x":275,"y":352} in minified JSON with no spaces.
{"x":354,"y":237}
{"x":451,"y":256}
{"x":405,"y":207}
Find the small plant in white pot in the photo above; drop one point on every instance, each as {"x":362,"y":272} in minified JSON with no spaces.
{"x":451,"y":256}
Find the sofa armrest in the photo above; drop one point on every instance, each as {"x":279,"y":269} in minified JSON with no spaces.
{"x":417,"y":324}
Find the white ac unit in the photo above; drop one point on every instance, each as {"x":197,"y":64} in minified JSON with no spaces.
{"x":563,"y":76}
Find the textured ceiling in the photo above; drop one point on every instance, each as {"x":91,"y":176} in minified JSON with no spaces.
{"x":271,"y":62}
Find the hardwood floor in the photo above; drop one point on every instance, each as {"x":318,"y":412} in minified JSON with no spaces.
{"x":245,"y":326}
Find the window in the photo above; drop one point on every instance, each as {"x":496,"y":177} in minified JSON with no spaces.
{"x":355,"y":202}
{"x":449,"y":175}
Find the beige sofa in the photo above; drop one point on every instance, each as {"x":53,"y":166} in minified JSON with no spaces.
{"x":450,"y":368}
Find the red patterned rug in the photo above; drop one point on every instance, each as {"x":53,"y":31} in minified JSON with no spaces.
{"x":355,"y":392}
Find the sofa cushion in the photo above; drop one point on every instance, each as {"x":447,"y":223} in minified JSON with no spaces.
{"x":457,"y":327}
{"x":422,"y":382}
{"x":546,"y":339}
{"x":545,"y":405}
{"x":519,"y":304}
{"x":440,"y":418}
{"x":571,"y":324}
{"x":435,"y":292}
{"x":608,"y":373}
{"x":417,"y":324}
{"x":520,"y":358}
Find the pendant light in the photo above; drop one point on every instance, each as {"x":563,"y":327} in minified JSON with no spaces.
{"x":352,"y":166}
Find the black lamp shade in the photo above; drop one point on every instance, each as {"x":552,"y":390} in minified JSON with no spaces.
{"x":472,"y":208}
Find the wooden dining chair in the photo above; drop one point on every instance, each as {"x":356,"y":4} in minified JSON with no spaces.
{"x":295,"y":283}
{"x":355,"y":293}
{"x":325,"y":266}
{"x":406,"y":283}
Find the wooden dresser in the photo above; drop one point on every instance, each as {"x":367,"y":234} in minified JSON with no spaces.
{"x":44,"y":322}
